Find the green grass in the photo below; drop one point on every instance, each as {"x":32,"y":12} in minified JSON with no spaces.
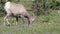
{"x":44,"y":24}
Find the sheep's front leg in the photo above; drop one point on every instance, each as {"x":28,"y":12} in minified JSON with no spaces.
{"x":6,"y":22}
{"x":16,"y":20}
{"x":25,"y":21}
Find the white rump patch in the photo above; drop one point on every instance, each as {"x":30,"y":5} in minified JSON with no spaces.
{"x":7,"y":5}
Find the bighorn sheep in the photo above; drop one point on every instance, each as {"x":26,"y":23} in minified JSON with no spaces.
{"x":17,"y":10}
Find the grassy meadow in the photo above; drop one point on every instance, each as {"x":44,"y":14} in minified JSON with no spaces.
{"x":44,"y":24}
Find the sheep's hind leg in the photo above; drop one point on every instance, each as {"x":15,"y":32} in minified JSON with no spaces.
{"x":6,"y":22}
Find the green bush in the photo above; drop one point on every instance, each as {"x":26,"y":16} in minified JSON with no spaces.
{"x":44,"y":6}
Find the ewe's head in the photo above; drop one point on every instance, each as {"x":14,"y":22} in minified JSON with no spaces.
{"x":32,"y":19}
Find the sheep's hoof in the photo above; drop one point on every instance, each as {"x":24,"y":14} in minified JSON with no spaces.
{"x":7,"y":24}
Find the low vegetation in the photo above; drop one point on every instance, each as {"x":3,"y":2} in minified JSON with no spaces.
{"x":44,"y":24}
